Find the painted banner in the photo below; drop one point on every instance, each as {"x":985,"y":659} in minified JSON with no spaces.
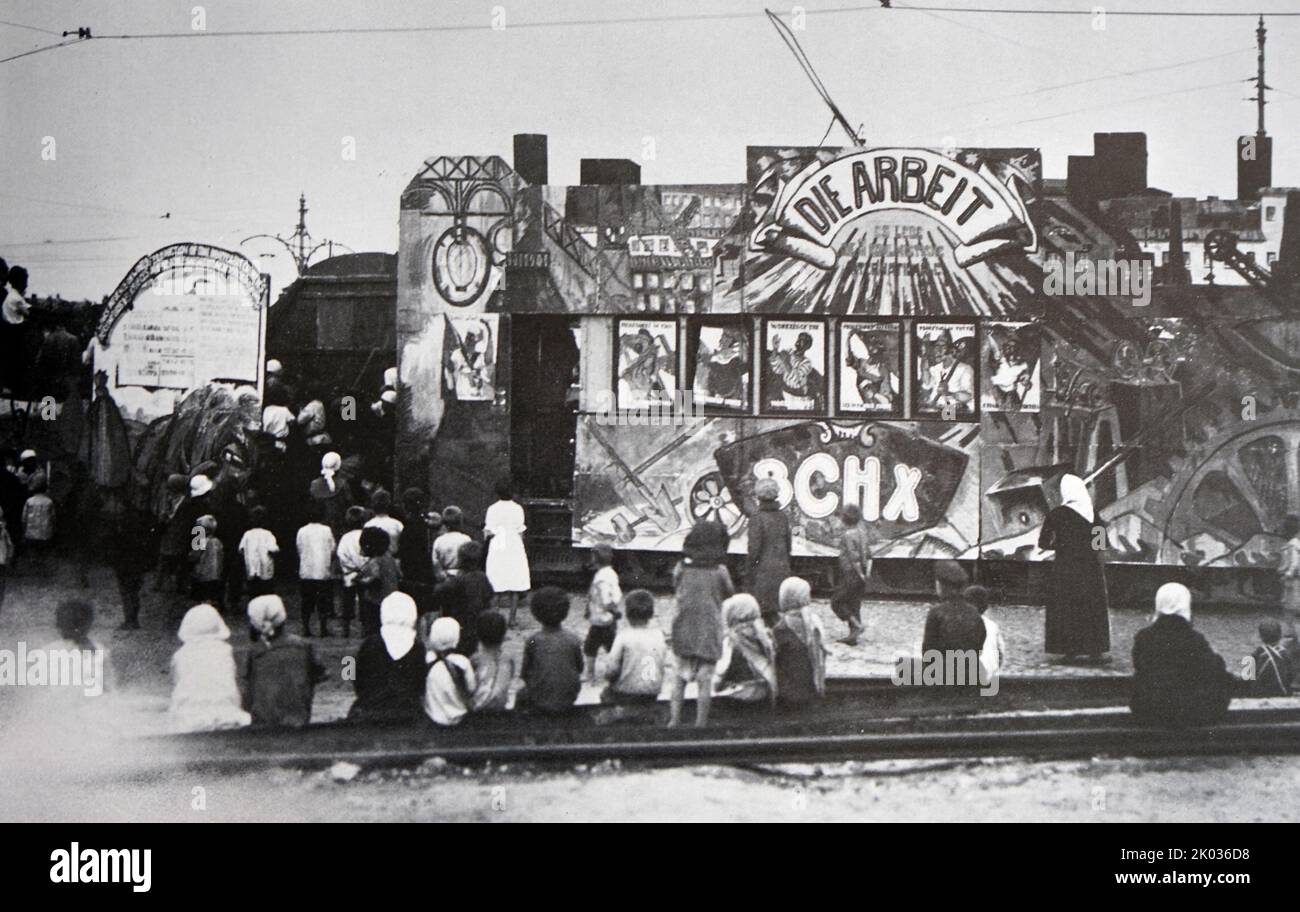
{"x":871,"y":368}
{"x":794,"y":367}
{"x":986,"y":216}
{"x":646,"y":366}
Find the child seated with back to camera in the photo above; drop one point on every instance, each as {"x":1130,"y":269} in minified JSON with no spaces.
{"x":636,"y":660}
{"x":553,"y":662}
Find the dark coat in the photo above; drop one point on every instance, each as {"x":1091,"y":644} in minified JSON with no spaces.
{"x":1178,"y":679}
{"x":464,"y":597}
{"x":953,"y":625}
{"x":768,"y":564}
{"x":388,"y":688}
{"x":1078,"y":612}
{"x":278,"y":679}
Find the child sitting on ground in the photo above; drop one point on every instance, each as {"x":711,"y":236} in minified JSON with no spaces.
{"x":1275,"y":662}
{"x":208,"y":564}
{"x":747,"y":669}
{"x":377,"y":579}
{"x":205,"y":694}
{"x":493,"y":669}
{"x":603,"y":596}
{"x":553,"y":663}
{"x":636,"y":660}
{"x":800,"y":655}
{"x":450,"y":684}
{"x":994,"y":650}
{"x":259,"y":548}
{"x":702,"y":583}
{"x":278,"y":675}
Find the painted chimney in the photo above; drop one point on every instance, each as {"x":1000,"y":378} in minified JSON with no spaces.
{"x":1176,"y":272}
{"x":603,"y":171}
{"x":530,"y":157}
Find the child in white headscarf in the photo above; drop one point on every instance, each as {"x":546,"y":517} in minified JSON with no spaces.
{"x":391,"y":666}
{"x":800,"y":655}
{"x":449,"y":686}
{"x":205,"y":696}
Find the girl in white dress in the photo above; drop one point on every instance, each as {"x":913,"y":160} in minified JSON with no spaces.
{"x":507,"y":562}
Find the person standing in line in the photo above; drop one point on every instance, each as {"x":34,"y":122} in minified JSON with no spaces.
{"x":258,"y":548}
{"x":381,"y":504}
{"x":316,"y":545}
{"x":603,"y":598}
{"x":1078,"y":612}
{"x":446,"y":546}
{"x":351,"y":560}
{"x":769,"y":550}
{"x":507,"y":560}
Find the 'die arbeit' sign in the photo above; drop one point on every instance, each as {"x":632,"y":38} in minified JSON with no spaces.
{"x":985,"y":216}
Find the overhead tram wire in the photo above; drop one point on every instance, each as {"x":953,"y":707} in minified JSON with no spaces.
{"x":810,"y":71}
{"x":30,"y":28}
{"x":39,"y":50}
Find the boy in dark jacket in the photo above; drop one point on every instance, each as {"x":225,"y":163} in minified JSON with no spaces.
{"x":553,"y":662}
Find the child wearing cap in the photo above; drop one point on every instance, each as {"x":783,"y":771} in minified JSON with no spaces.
{"x":450,"y":683}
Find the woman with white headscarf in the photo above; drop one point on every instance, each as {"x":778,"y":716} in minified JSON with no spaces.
{"x":391,"y":665}
{"x":331,"y":488}
{"x":1078,"y":612}
{"x":205,"y":696}
{"x":1178,"y":679}
{"x":278,"y":675}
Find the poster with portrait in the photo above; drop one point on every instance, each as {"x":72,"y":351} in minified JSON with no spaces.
{"x":794,"y":367}
{"x":646,"y":364}
{"x":1010,"y":373}
{"x":870,"y":363}
{"x":469,"y":361}
{"x":718,"y":356}
{"x":946,"y":367}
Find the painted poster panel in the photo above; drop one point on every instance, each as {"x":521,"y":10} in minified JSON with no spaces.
{"x":945,"y":355}
{"x":470,"y":357}
{"x":646,"y":364}
{"x":642,"y":487}
{"x":892,"y":231}
{"x":1010,"y":377}
{"x":871,"y":368}
{"x":719,"y":357}
{"x":794,"y":367}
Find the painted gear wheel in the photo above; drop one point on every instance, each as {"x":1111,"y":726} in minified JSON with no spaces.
{"x":711,"y":500}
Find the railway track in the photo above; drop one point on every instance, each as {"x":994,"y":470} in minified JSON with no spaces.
{"x":848,"y":726}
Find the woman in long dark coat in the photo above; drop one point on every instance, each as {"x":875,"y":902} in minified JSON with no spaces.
{"x":1078,"y":613}
{"x":769,"y":550}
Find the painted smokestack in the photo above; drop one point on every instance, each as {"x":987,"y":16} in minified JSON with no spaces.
{"x":1176,"y":272}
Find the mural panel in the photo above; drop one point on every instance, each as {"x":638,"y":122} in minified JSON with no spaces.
{"x":644,"y":486}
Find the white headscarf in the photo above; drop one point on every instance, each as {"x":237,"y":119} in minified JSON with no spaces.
{"x":397,"y":615}
{"x":444,"y":634}
{"x":1174,"y":598}
{"x":203,"y":622}
{"x":266,"y":613}
{"x":329,"y":464}
{"x":276,"y":420}
{"x":1074,"y":494}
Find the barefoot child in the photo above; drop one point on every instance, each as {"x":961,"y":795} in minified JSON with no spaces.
{"x":636,"y":661}
{"x":702,"y":583}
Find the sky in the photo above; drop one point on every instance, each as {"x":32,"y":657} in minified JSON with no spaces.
{"x":224,"y":132}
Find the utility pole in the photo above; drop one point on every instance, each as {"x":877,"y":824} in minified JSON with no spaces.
{"x":299,"y":244}
{"x":1260,"y":85}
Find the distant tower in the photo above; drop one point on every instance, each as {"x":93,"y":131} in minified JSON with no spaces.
{"x":1255,"y":153}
